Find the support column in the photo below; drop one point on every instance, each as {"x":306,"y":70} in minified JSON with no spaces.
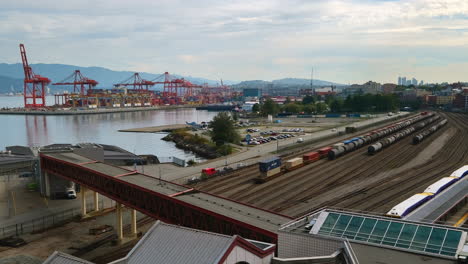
{"x":134,"y":222}
{"x":119,"y":222}
{"x":46,"y":184}
{"x":96,"y":201}
{"x":83,"y":201}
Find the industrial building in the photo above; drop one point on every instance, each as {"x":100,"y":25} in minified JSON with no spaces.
{"x":54,"y":187}
{"x":363,"y":238}
{"x":170,"y":244}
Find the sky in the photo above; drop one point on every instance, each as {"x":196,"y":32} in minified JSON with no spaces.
{"x":345,"y":41}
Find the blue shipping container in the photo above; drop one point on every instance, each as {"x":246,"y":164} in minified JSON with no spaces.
{"x":304,"y":116}
{"x":353,"y":115}
{"x":269,"y":164}
{"x":332,"y":115}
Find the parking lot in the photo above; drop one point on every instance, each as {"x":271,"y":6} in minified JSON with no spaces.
{"x":256,"y":137}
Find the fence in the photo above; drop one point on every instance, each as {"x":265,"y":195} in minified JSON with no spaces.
{"x":174,"y":160}
{"x":42,"y":223}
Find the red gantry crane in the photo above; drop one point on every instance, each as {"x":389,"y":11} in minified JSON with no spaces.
{"x":34,"y":85}
{"x":139,"y":84}
{"x":175,"y":87}
{"x":79,"y":82}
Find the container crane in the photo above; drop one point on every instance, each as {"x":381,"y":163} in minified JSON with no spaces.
{"x":175,"y":87}
{"x":79,"y":82}
{"x":34,"y":84}
{"x":139,"y":84}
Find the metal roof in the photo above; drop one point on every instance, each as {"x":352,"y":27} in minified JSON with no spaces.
{"x":401,"y":208}
{"x":12,"y":159}
{"x":463,"y":171}
{"x":170,"y":244}
{"x":63,"y":258}
{"x":441,"y":203}
{"x":437,"y":186}
{"x":241,"y":212}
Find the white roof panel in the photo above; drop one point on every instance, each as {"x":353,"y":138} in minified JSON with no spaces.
{"x":400,"y":208}
{"x":460,"y":172}
{"x":440,"y":184}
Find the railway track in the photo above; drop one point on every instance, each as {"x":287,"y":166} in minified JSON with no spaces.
{"x":251,"y":171}
{"x":328,"y":183}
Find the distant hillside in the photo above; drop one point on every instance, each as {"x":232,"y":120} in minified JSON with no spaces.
{"x":105,"y":77}
{"x":10,"y":85}
{"x":281,"y":83}
{"x":11,"y":76}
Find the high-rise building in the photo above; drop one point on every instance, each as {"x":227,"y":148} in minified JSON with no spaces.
{"x":399,"y":80}
{"x":421,"y":83}
{"x":414,"y":82}
{"x":408,"y":82}
{"x":403,"y":80}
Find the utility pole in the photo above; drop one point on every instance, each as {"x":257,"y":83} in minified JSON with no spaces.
{"x":312,"y":81}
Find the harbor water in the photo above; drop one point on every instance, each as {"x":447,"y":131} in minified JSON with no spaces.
{"x":36,"y":130}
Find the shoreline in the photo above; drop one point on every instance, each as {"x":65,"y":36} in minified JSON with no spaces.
{"x":94,"y":111}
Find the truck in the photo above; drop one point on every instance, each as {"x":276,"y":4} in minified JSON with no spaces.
{"x":70,"y":191}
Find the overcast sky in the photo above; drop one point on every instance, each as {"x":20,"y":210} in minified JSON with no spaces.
{"x":345,"y":41}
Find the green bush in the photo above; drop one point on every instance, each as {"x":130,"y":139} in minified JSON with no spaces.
{"x":225,"y":149}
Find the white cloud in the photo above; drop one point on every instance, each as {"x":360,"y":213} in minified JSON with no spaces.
{"x":239,"y":40}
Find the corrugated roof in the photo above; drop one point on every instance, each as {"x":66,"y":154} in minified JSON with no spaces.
{"x":63,"y":258}
{"x":169,"y":244}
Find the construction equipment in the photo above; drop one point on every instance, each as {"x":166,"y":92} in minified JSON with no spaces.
{"x":79,"y":82}
{"x":34,"y":85}
{"x":139,"y":84}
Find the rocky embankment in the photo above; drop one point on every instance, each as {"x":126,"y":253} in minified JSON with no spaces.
{"x":187,"y":142}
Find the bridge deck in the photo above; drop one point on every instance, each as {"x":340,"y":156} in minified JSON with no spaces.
{"x":240,"y":212}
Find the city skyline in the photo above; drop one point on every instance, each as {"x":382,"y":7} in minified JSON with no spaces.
{"x":345,"y":41}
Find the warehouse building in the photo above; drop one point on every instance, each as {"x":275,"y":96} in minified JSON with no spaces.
{"x":170,"y":244}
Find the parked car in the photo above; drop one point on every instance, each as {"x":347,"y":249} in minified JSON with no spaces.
{"x":12,"y":242}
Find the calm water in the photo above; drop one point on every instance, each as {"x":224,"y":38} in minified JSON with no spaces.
{"x":100,"y":128}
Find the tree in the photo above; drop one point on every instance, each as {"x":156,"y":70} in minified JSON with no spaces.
{"x":308,"y":99}
{"x":287,"y":101}
{"x":223,"y":130}
{"x":309,"y":108}
{"x":321,"y":107}
{"x":269,"y":108}
{"x":235,"y":116}
{"x":292,"y":108}
{"x":336,"y":106}
{"x":256,"y":108}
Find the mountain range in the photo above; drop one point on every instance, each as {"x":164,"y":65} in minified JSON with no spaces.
{"x":11,"y":77}
{"x":282,"y":83}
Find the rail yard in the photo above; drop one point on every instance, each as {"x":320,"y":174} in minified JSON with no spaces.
{"x":357,"y":180}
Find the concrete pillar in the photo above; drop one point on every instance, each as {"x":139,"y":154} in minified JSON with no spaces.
{"x":119,"y":221}
{"x":96,"y":201}
{"x":134,"y":222}
{"x":83,"y":201}
{"x":46,"y":184}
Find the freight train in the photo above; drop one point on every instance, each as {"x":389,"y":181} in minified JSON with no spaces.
{"x":371,"y":150}
{"x":344,"y":147}
{"x":407,"y":206}
{"x":421,"y":136}
{"x":272,"y":167}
